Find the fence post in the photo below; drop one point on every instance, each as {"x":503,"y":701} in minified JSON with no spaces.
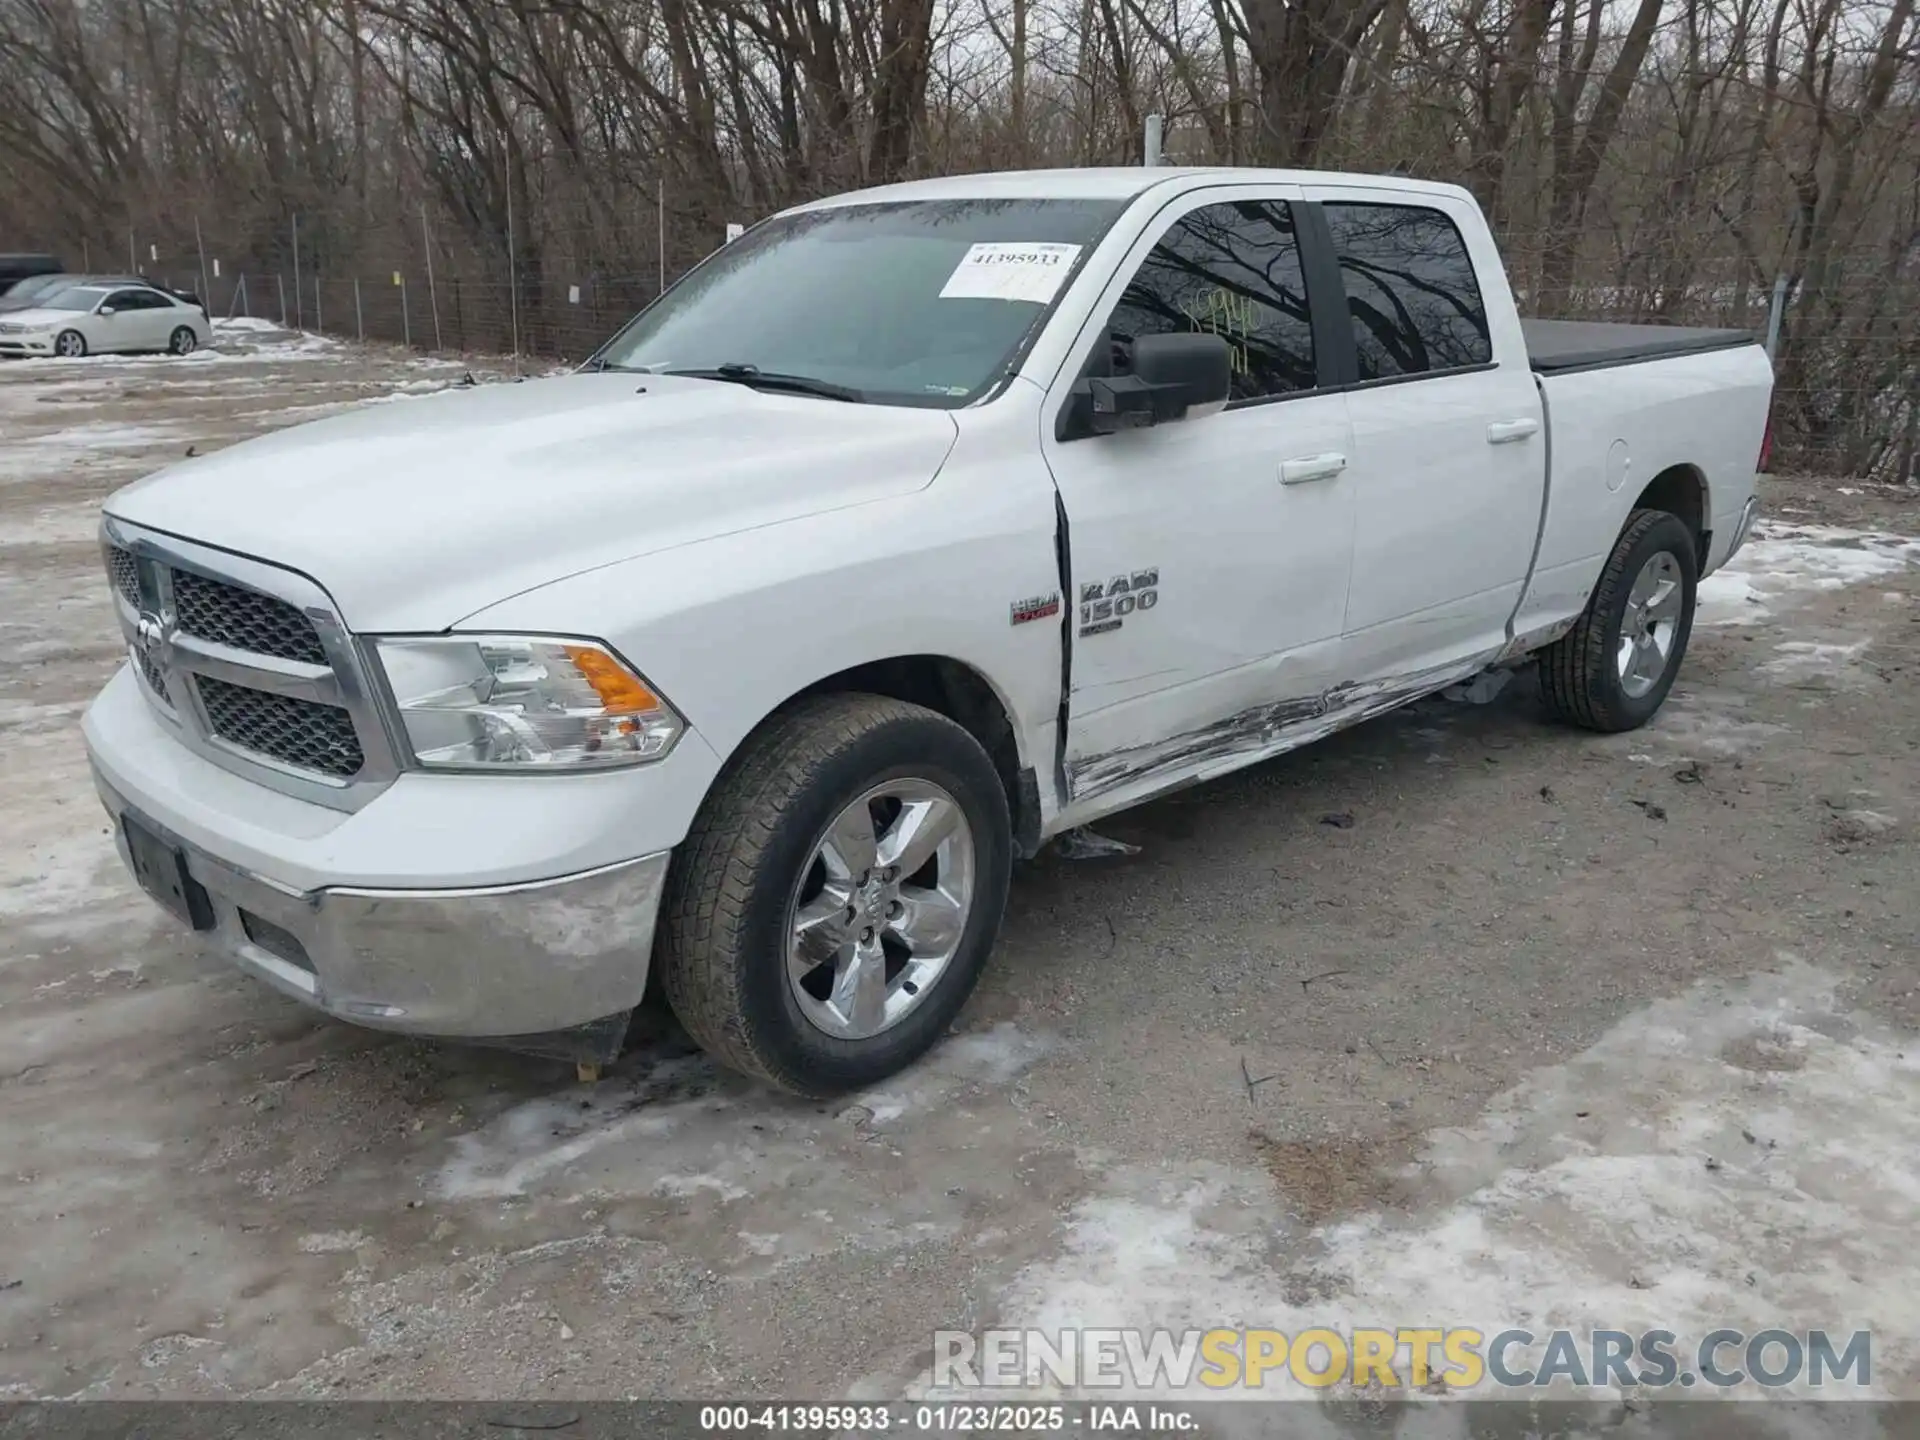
{"x":283,"y":300}
{"x":206,"y":285}
{"x":406,"y":320}
{"x":433,"y":292}
{"x":1156,"y":133}
{"x":1775,"y":312}
{"x":359,"y":321}
{"x":513,"y":266}
{"x":318,"y":323}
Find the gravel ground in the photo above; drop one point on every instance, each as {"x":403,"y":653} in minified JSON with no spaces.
{"x":1456,"y":1018}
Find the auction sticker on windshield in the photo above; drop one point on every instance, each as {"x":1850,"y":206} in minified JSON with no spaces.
{"x":1001,"y":271}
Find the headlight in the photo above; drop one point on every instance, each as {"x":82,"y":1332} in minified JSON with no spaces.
{"x":521,"y":702}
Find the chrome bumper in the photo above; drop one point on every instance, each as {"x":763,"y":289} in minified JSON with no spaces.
{"x":483,"y":964}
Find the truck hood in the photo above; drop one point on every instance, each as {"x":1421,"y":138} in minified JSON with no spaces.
{"x":416,"y":513}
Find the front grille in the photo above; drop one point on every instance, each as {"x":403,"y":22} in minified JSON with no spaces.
{"x":156,"y":680}
{"x":125,"y":573}
{"x":245,"y":619}
{"x":303,"y":733}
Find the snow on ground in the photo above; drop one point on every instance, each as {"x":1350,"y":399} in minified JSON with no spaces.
{"x":247,"y":325}
{"x":675,"y":1129}
{"x":1784,"y":560}
{"x":1739,"y":1156}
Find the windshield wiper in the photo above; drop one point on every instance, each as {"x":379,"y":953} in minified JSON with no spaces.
{"x":740,"y":373}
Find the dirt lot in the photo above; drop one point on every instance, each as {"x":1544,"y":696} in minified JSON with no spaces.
{"x":1457,"y":1018}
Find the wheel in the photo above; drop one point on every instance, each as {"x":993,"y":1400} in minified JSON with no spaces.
{"x":70,"y":344}
{"x":183,"y":341}
{"x":1612,"y":671}
{"x":833,"y":905}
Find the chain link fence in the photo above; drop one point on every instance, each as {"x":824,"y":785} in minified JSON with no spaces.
{"x":1847,"y":398}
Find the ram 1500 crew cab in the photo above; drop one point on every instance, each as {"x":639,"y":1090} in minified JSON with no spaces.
{"x":913,"y":528}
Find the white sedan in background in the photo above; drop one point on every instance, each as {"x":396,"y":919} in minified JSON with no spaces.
{"x":96,"y":319}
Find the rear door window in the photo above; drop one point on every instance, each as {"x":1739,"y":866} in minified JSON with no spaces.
{"x":1411,"y":292}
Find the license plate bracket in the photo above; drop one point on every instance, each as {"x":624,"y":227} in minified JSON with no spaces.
{"x":161,"y":870}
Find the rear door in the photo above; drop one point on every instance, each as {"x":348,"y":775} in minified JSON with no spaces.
{"x":1449,"y":445}
{"x":1209,"y":557}
{"x":126,"y":327}
{"x":155,"y":317}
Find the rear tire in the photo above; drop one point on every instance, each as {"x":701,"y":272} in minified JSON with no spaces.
{"x":1613,"y":670}
{"x":183,"y":341}
{"x":765,"y":861}
{"x":70,"y":345}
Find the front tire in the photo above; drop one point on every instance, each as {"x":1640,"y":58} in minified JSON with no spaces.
{"x":1613,"y":670}
{"x":838,"y":895}
{"x":70,"y":345}
{"x":183,"y":341}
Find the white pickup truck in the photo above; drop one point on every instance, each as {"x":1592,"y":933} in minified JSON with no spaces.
{"x":914,"y":528}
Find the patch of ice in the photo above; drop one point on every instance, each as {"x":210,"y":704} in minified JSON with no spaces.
{"x":1729,"y":1157}
{"x":331,"y":1242}
{"x":53,"y":525}
{"x":1803,"y":659}
{"x":680,"y":1126}
{"x":70,"y":876}
{"x":683,"y":1187}
{"x":248,"y":325}
{"x":1785,"y":560}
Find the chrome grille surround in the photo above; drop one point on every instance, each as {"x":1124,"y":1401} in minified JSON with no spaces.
{"x":307,"y":727}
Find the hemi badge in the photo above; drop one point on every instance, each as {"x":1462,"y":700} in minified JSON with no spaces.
{"x":1036,"y":607}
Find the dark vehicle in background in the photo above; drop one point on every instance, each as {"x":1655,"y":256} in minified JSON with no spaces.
{"x":15,"y":268}
{"x":33,"y":290}
{"x":39,"y":289}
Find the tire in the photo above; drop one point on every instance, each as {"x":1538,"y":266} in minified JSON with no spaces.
{"x":728,"y":960}
{"x":1586,"y":676}
{"x":70,"y":345}
{"x":183,"y":341}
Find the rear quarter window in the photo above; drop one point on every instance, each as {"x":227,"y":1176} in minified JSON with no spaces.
{"x":1411,"y":292}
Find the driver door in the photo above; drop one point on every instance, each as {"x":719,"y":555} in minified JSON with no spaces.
{"x":1210,"y":557}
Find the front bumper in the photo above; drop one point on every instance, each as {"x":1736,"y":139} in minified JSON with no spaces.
{"x":26,"y":343}
{"x":492,"y":963}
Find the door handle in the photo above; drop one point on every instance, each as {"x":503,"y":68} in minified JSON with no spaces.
{"x":1505,"y":432}
{"x":1304,"y":468}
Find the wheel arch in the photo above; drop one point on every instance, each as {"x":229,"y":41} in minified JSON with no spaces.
{"x":1681,"y":491}
{"x":965,"y":695}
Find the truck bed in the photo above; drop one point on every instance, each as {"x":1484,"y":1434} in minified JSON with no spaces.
{"x":1555,"y":347}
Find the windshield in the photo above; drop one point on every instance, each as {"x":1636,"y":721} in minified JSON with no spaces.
{"x":79,"y":297}
{"x":913,"y":303}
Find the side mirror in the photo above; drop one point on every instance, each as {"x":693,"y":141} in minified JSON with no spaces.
{"x":105,"y":310}
{"x":1175,"y":377}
